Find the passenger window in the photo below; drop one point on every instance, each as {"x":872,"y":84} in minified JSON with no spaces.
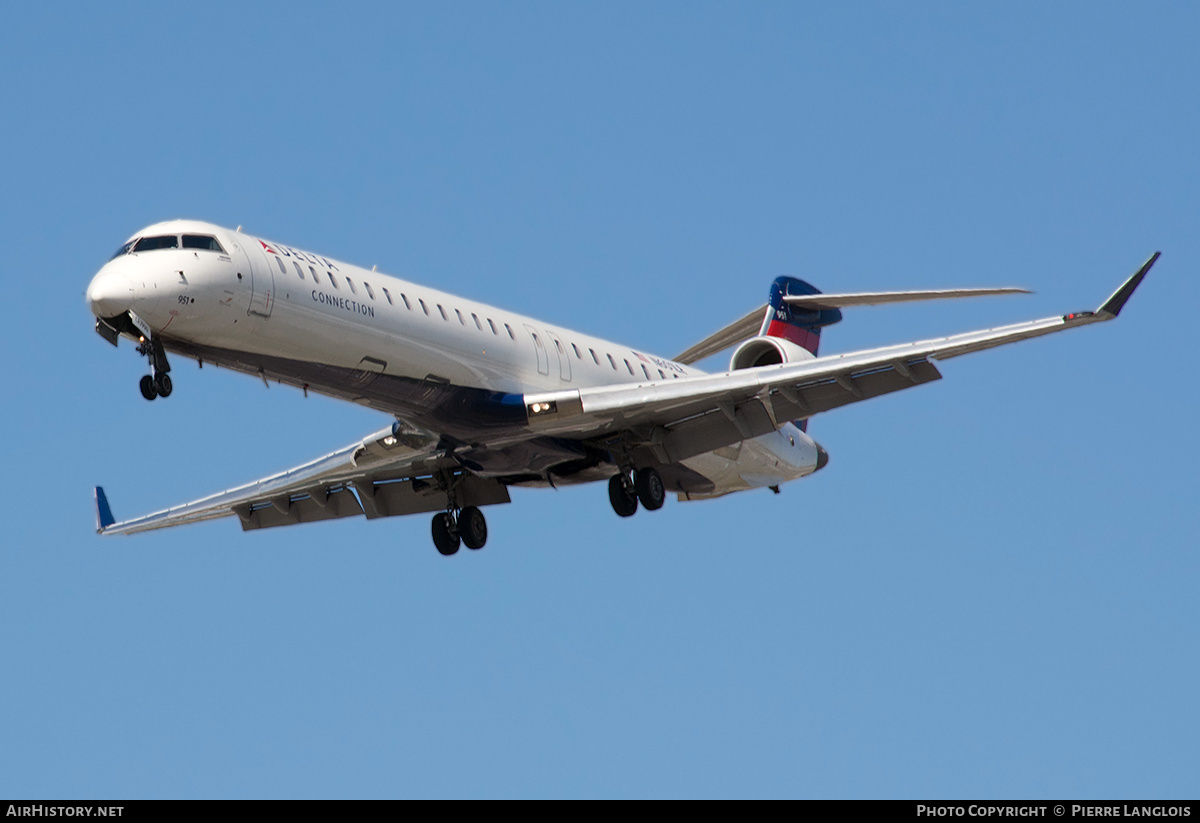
{"x":403,"y":297}
{"x":628,"y":366}
{"x":388,"y":295}
{"x":558,"y":345}
{"x":370,"y":292}
{"x":445,"y":316}
{"x":595,"y":359}
{"x":298,"y":270}
{"x":493,"y":325}
{"x":578,"y":356}
{"x":661,"y":375}
{"x":350,"y":283}
{"x":646,"y":371}
{"x":155,"y":243}
{"x":424,"y":308}
{"x":612,"y":362}
{"x":475,"y":317}
{"x":332,"y":279}
{"x":282,"y":268}
{"x":461,"y":322}
{"x":201,"y":241}
{"x":510,"y":331}
{"x":313,"y":272}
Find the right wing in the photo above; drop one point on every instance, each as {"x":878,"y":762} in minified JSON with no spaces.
{"x":383,"y":469}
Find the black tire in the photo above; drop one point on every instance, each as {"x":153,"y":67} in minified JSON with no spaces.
{"x":445,"y":538}
{"x":624,"y":502}
{"x":650,"y":488}
{"x":147,"y":386}
{"x":162,"y":382}
{"x":472,"y":527}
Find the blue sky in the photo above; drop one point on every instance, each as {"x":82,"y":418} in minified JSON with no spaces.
{"x":991,"y":591}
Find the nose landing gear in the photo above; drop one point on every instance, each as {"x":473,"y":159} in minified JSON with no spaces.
{"x":158,"y":382}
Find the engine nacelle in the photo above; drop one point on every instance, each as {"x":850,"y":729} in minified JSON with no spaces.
{"x":766,"y":351}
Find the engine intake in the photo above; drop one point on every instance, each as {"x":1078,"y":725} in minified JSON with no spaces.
{"x":766,"y":351}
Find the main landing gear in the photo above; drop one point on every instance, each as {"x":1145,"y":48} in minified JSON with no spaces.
{"x":467,"y":526}
{"x":645,"y":485}
{"x":158,"y":382}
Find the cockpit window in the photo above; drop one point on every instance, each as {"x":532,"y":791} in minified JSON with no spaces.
{"x":124,"y":249}
{"x":201,"y":241}
{"x":154,"y":243}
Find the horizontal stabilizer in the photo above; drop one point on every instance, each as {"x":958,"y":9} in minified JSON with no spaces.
{"x":879,"y":298}
{"x":104,"y":515}
{"x":741,"y":329}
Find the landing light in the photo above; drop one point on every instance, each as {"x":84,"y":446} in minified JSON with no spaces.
{"x":389,"y":441}
{"x":542,"y":408}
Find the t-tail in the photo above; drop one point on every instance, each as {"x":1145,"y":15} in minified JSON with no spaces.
{"x":798,"y":324}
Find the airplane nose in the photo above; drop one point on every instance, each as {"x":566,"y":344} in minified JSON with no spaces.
{"x":822,"y":457}
{"x":109,"y":294}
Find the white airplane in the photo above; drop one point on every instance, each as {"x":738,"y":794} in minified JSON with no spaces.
{"x":484,"y":399}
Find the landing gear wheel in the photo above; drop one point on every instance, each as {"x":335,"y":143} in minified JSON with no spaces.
{"x":147,"y":386}
{"x":445,"y":537}
{"x":472,"y":527}
{"x":162,"y":382}
{"x":623,"y":499}
{"x":650,"y":488}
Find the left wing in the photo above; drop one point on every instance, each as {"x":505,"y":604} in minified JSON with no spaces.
{"x":378,"y":476}
{"x":682,"y":418}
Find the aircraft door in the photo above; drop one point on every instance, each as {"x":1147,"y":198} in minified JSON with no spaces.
{"x":262,"y":279}
{"x":564,"y":362}
{"x":543,"y":360}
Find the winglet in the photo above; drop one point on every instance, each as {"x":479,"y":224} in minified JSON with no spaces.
{"x":1113,"y":305}
{"x":104,"y":515}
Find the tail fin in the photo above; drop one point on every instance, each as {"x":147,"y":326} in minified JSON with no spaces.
{"x":796,"y":324}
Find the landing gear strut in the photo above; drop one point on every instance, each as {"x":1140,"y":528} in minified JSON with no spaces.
{"x":467,"y":526}
{"x":158,"y":382}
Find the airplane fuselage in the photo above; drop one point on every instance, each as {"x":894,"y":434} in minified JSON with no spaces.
{"x":442,"y":363}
